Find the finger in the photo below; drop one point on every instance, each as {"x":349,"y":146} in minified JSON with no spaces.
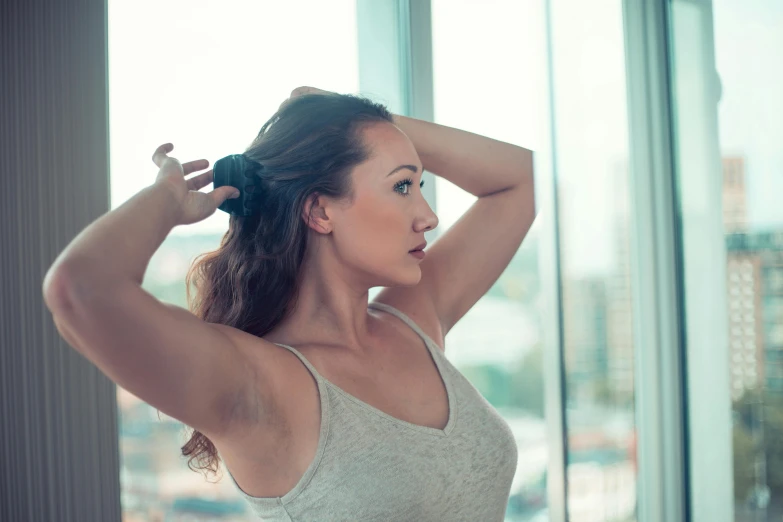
{"x":193,"y":166}
{"x":200,"y":181}
{"x":305,"y":89}
{"x":219,"y":195}
{"x":159,"y":156}
{"x":298,"y":91}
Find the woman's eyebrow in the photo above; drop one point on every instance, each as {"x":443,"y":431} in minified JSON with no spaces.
{"x":414,"y":168}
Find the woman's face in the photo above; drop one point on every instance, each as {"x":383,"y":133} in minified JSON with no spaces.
{"x":389,"y":214}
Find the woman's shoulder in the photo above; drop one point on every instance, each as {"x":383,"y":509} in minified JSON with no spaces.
{"x":417,"y":309}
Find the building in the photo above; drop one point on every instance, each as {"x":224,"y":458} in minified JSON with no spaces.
{"x":755,"y":300}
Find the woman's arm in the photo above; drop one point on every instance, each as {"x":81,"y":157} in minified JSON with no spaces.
{"x":477,"y":164}
{"x":468,"y":258}
{"x":161,"y":353}
{"x":118,"y":246}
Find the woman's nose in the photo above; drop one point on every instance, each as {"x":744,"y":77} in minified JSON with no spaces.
{"x":429,"y":221}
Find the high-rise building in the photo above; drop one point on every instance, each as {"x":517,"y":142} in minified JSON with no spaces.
{"x":598,"y":313}
{"x":584,"y":337}
{"x":735,"y":215}
{"x":743,"y":272}
{"x":619,"y":298}
{"x":746,"y":349}
{"x":755,"y":300}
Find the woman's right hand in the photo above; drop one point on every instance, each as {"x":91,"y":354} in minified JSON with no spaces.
{"x":194,"y":206}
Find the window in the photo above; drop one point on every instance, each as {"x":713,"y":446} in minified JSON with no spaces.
{"x":497,"y":345}
{"x":595,"y":224}
{"x":746,"y":95}
{"x":209,"y":93}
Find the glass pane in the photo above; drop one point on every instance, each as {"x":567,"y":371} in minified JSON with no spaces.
{"x":497,"y":344}
{"x":733,"y":194}
{"x":204,"y":76}
{"x":592,"y":157}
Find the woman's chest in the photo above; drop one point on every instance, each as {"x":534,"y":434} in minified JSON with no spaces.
{"x":402,"y":380}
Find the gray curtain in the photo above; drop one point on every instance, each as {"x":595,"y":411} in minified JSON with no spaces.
{"x":59,"y":458}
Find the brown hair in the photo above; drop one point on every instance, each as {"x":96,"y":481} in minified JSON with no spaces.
{"x":309,"y":146}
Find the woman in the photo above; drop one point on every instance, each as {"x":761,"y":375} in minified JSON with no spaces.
{"x":322,"y":406}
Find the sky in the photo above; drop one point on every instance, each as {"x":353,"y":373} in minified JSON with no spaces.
{"x":205,"y":76}
{"x":749,"y":53}
{"x":488,"y":71}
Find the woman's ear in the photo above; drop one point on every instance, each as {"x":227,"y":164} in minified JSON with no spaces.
{"x":315,"y":215}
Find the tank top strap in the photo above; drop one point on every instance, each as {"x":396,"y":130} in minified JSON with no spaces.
{"x":304,"y":360}
{"x":431,"y":345}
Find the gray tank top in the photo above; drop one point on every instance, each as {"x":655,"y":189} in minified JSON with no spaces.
{"x":370,"y":466}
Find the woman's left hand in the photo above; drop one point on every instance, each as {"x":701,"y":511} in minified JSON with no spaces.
{"x":299,"y":91}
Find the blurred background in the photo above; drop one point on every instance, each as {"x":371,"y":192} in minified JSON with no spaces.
{"x":635,"y":342}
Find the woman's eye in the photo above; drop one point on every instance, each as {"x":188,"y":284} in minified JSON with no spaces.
{"x":406,"y":183}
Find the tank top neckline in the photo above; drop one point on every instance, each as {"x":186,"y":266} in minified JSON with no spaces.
{"x":444,"y":375}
